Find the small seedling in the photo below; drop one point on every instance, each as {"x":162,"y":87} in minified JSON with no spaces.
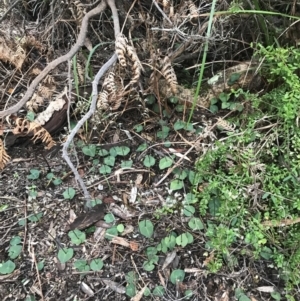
{"x":165,"y":162}
{"x":111,"y":232}
{"x":89,"y":150}
{"x":69,"y":193}
{"x":77,"y":236}
{"x":65,"y":254}
{"x":7,"y":267}
{"x":146,"y":228}
{"x":15,"y":247}
{"x":184,"y":239}
{"x":177,"y":276}
{"x":96,"y":264}
{"x":34,"y":174}
{"x":149,"y":161}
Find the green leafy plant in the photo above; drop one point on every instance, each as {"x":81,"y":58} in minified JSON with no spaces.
{"x":152,"y":259}
{"x":146,"y":228}
{"x":89,"y":150}
{"x":34,"y":174}
{"x":65,"y":254}
{"x":81,"y":265}
{"x":177,"y":276}
{"x":77,"y":236}
{"x":35,"y":217}
{"x":149,"y":161}
{"x":53,"y":179}
{"x":7,"y":267}
{"x":69,"y":193}
{"x":131,"y":279}
{"x":15,"y":247}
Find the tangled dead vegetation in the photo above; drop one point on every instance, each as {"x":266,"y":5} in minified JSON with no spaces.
{"x":169,"y":36}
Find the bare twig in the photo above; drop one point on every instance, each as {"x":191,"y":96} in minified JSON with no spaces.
{"x":92,"y":109}
{"x":80,"y":41}
{"x":80,"y":123}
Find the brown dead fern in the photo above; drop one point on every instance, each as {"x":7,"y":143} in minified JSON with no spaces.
{"x":24,"y":127}
{"x":12,"y":53}
{"x":136,"y":64}
{"x":102,"y":101}
{"x":121,"y":44}
{"x":4,"y":157}
{"x":169,"y":74}
{"x":225,"y":125}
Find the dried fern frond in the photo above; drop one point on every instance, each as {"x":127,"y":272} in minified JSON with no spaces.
{"x":136,"y":66}
{"x":224,"y":124}
{"x":8,"y":54}
{"x":169,"y":74}
{"x":102,"y":101}
{"x":45,"y":91}
{"x":4,"y":157}
{"x":109,"y":83}
{"x":80,"y":10}
{"x":115,"y":101}
{"x":121,"y":45}
{"x":80,"y":72}
{"x":193,"y":9}
{"x":25,"y":127}
{"x":31,"y":42}
{"x":35,"y":102}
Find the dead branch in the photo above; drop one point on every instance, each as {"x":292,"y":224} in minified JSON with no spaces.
{"x":79,"y":43}
{"x":92,"y":108}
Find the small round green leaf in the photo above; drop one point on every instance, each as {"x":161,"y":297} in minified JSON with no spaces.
{"x":96,"y":264}
{"x":89,"y":150}
{"x":15,"y":240}
{"x":148,"y":266}
{"x":142,"y":147}
{"x":188,"y":210}
{"x":14,"y":251}
{"x":69,"y":193}
{"x":146,"y":228}
{"x":120,"y":228}
{"x":65,"y":254}
{"x":104,"y":169}
{"x":158,"y":291}
{"x":126,"y":164}
{"x":103,"y":152}
{"x":165,"y":162}
{"x":34,"y":174}
{"x":77,"y":236}
{"x":111,"y":232}
{"x":130,"y":290}
{"x":195,"y":223}
{"x":178,"y":125}
{"x":7,"y":267}
{"x":81,"y":265}
{"x":40,"y":265}
{"x":109,"y":218}
{"x":138,"y":128}
{"x":177,"y":276}
{"x":110,"y":160}
{"x":149,"y":161}
{"x":147,"y":292}
{"x":35,"y":217}
{"x":176,"y":184}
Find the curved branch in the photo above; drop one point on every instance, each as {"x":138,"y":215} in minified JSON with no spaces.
{"x":79,"y":43}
